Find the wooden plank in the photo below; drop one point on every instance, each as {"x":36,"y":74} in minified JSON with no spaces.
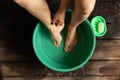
{"x":104,"y":7}
{"x":17,"y":55}
{"x":92,"y":68}
{"x":102,"y":68}
{"x":64,"y":78}
{"x":112,"y":31}
{"x":110,"y":78}
{"x":55,"y":78}
{"x":24,"y":69}
{"x":107,"y":50}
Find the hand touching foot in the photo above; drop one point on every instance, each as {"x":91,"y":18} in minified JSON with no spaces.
{"x":57,"y":27}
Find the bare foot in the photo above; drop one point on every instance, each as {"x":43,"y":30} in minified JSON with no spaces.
{"x":71,"y":39}
{"x":56,"y":39}
{"x":57,"y":27}
{"x":55,"y":35}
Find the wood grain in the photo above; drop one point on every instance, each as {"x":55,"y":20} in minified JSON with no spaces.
{"x":107,"y":50}
{"x":65,"y":78}
{"x":54,"y":78}
{"x":102,"y":68}
{"x":92,"y":68}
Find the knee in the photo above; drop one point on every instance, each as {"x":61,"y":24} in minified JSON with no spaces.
{"x":87,"y":10}
{"x":85,"y":7}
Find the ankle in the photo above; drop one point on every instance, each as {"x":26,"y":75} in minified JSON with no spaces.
{"x":72,"y":25}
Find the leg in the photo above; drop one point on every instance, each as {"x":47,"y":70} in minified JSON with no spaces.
{"x":37,"y":8}
{"x":60,"y":15}
{"x":40,"y":10}
{"x":81,"y":11}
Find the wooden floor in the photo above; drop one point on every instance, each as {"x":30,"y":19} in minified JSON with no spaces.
{"x":17,"y":58}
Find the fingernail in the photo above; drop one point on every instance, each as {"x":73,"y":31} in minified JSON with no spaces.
{"x":56,"y":24}
{"x":51,"y":23}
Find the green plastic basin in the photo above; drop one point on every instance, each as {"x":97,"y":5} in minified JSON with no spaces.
{"x":55,"y":58}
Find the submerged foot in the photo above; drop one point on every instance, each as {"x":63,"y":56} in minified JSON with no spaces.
{"x":56,"y":38}
{"x":71,"y":39}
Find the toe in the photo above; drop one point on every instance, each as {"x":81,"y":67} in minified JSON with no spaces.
{"x":54,"y":20}
{"x":69,"y":48}
{"x":53,"y":41}
{"x":66,"y":49}
{"x":57,"y":44}
{"x":56,"y":41}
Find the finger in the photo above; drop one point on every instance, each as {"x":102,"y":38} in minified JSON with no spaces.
{"x":53,"y":21}
{"x":57,"y":22}
{"x":66,"y":49}
{"x":61,"y":23}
